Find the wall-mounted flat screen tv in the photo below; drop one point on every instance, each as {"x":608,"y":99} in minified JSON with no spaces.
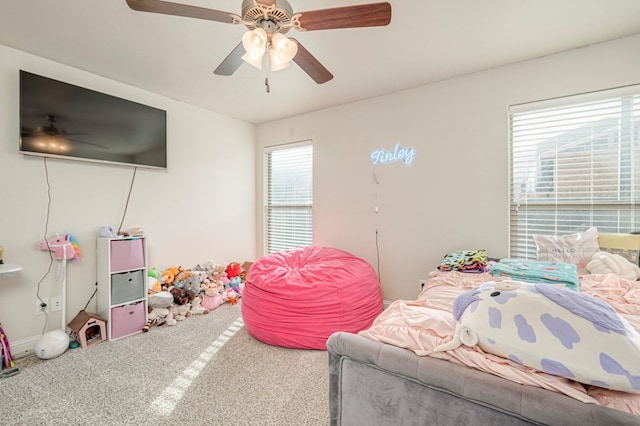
{"x":59,"y":119}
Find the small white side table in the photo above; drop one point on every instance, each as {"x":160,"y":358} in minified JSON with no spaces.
{"x":9,"y":268}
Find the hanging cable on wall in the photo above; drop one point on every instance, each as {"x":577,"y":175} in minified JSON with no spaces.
{"x":376,"y":209}
{"x":126,"y":206}
{"x":43,"y":304}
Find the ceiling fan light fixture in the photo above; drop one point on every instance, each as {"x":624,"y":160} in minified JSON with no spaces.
{"x":256,"y":60}
{"x":276,"y":63}
{"x":255,"y":41}
{"x":284,"y":48}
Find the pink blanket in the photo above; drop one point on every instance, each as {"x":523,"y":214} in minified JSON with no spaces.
{"x":422,"y":324}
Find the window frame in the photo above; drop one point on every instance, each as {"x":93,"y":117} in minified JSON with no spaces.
{"x":520,"y":243}
{"x":303,"y":236}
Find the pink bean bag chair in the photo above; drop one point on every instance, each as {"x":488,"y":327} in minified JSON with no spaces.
{"x":297,"y":298}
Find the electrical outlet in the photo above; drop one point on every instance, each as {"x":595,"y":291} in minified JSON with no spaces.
{"x":56,"y":304}
{"x":40,"y":310}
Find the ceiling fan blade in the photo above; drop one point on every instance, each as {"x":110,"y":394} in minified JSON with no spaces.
{"x":365,"y":15}
{"x":178,"y":9}
{"x":232,"y":62}
{"x":309,"y":64}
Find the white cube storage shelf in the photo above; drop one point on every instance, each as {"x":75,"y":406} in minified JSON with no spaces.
{"x":122,"y":293}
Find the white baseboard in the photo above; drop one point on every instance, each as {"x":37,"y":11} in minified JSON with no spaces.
{"x":23,"y":347}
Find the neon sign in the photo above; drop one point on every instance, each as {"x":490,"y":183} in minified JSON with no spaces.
{"x":399,"y":153}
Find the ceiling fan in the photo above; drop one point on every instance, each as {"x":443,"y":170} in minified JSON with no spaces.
{"x":53,"y":135}
{"x":267,"y":21}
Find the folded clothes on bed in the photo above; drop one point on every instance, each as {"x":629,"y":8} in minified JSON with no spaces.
{"x":537,"y":271}
{"x":465,"y":261}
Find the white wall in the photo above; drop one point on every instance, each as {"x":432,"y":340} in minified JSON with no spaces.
{"x":202,"y":208}
{"x":455,"y":195}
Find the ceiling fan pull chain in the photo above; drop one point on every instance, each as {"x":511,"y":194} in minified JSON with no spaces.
{"x":266,"y":84}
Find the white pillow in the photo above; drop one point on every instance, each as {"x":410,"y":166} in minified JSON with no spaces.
{"x":577,"y":249}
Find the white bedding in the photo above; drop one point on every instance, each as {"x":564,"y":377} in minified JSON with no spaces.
{"x":421,"y":325}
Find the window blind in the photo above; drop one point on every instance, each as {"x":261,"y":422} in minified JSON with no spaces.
{"x":288,"y":197}
{"x":575,"y":163}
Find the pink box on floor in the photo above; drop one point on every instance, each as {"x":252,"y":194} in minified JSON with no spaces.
{"x":127,"y":254}
{"x":127,"y":319}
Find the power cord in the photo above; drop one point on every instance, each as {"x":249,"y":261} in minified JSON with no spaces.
{"x":91,"y":298}
{"x":43,"y":305}
{"x":126,"y":206}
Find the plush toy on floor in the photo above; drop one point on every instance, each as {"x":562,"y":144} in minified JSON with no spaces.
{"x":196,"y":306}
{"x":211,"y":302}
{"x":179,"y":313}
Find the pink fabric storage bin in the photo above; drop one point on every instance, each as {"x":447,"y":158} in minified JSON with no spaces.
{"x":298,"y":298}
{"x":127,"y":254}
{"x":127,"y":319}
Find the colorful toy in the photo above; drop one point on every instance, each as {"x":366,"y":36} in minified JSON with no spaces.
{"x":155,"y":318}
{"x":168,"y":276}
{"x":63,"y":247}
{"x":5,"y":351}
{"x":233,"y":270}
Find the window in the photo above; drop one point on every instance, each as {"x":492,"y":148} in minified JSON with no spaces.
{"x":288,"y":196}
{"x":575,"y":163}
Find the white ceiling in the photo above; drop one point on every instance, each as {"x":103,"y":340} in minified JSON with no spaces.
{"x":427,"y":41}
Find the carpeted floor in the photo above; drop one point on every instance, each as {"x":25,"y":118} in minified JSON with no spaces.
{"x":205,"y":370}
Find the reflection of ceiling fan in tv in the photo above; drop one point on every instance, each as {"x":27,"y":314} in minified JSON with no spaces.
{"x":267,"y":22}
{"x":53,"y":138}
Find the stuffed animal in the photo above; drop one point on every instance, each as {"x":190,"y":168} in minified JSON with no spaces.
{"x":181,"y":277}
{"x":603,"y":262}
{"x":231,"y":296}
{"x":153,"y":284}
{"x":233,"y":270}
{"x":180,"y":296}
{"x":156,"y":318}
{"x":211,"y":302}
{"x":161,"y":299}
{"x":211,"y":288}
{"x":234,"y":283}
{"x":245,"y":270}
{"x":168,"y":277}
{"x":193,"y":284}
{"x":218,"y":273}
{"x":552,"y":329}
{"x":179,"y":312}
{"x":106,"y":231}
{"x":196,"y":306}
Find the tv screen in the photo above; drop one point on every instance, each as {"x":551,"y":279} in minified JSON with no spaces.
{"x":59,"y":119}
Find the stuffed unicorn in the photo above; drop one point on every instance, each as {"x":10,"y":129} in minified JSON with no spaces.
{"x":64,"y":247}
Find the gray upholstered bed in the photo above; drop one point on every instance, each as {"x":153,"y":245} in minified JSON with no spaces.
{"x":373,"y":383}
